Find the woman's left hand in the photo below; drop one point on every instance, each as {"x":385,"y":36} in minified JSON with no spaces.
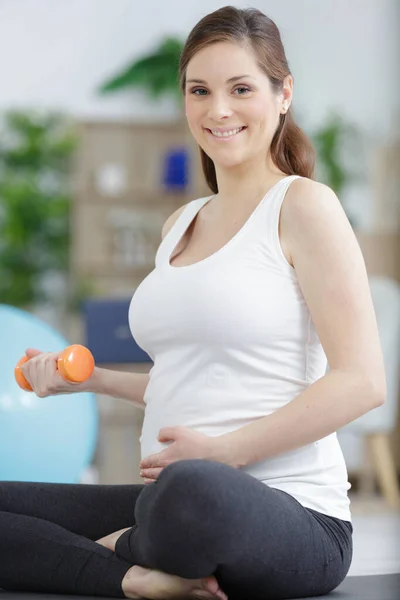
{"x":187,"y":443}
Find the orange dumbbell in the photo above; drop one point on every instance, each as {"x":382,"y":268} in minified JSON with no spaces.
{"x":75,"y":363}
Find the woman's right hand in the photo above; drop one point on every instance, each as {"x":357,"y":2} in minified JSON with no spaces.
{"x":42,"y":374}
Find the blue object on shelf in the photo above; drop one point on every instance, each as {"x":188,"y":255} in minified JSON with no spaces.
{"x":176,"y":169}
{"x":49,"y":439}
{"x":108,"y":335}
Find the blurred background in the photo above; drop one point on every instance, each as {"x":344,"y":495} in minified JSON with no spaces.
{"x":95,"y":154}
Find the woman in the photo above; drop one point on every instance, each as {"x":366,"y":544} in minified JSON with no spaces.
{"x":255,"y":289}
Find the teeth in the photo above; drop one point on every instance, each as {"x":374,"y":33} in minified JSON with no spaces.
{"x":227,"y":133}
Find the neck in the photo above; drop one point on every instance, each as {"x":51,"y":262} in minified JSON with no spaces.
{"x":245,"y":183}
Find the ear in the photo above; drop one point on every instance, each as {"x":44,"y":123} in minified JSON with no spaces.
{"x":285,"y":97}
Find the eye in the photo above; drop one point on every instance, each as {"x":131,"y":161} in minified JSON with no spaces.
{"x":194,"y":91}
{"x":242,"y":87}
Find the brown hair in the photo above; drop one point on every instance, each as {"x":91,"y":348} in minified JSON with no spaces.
{"x":291,"y":150}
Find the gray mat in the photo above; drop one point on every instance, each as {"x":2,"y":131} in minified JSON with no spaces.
{"x":372,"y":587}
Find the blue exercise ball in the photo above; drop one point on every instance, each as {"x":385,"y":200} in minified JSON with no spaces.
{"x":49,"y":439}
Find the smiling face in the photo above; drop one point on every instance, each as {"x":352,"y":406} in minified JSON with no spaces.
{"x":231,"y":108}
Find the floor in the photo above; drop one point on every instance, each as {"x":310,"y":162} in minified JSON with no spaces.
{"x":376,"y":537}
{"x":374,"y":587}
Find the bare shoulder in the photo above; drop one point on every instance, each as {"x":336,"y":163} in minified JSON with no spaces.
{"x":171,"y":220}
{"x":304,"y":196}
{"x":312,"y":210}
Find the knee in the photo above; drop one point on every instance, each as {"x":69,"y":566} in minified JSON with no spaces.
{"x":192,"y":483}
{"x":186,"y":499}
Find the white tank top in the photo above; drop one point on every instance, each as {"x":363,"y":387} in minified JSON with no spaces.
{"x":232,"y":340}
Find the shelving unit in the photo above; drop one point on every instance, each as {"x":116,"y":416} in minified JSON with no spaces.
{"x":120,"y":203}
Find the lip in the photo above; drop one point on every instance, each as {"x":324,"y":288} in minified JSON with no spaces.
{"x":222,"y":130}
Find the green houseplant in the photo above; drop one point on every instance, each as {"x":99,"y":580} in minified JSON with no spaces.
{"x":35,"y":155}
{"x":156,"y":73}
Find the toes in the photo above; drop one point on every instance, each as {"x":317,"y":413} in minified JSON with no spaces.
{"x":212,"y":589}
{"x":210,"y":584}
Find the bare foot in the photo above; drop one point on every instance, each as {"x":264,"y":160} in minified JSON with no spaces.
{"x":156,"y":585}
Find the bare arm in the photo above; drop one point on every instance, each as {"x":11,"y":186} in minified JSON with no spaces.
{"x":119,"y":384}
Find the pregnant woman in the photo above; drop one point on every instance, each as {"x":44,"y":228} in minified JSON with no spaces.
{"x":256,"y":289}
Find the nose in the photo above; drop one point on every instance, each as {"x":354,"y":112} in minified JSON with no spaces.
{"x":219,"y":108}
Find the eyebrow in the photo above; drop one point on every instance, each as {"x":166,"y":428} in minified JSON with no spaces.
{"x":231,"y":80}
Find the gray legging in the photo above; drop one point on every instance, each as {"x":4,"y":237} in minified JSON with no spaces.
{"x":199,"y":518}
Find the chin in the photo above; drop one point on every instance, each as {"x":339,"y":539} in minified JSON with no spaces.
{"x":228,"y":161}
{"x":224,"y":158}
{"x":228,"y":164}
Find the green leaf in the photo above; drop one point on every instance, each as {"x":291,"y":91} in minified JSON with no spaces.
{"x":156,"y":73}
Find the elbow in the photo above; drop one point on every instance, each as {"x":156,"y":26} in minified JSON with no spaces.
{"x":378,"y":399}
{"x":378,"y":391}
{"x":371,"y":390}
